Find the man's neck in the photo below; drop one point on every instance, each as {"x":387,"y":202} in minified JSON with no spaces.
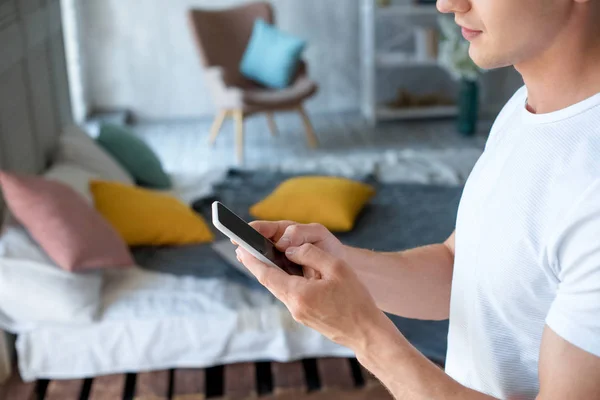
{"x":566,"y":73}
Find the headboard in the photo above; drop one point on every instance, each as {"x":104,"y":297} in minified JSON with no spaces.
{"x":34,"y":90}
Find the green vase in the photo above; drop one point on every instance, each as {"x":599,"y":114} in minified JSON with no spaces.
{"x":468,"y":107}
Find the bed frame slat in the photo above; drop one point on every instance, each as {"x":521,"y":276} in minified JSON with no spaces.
{"x":16,"y":389}
{"x":108,"y":387}
{"x":64,"y":390}
{"x":240,"y":381}
{"x":288,"y":378}
{"x":189,"y":384}
{"x":335,"y":373}
{"x":152,"y":385}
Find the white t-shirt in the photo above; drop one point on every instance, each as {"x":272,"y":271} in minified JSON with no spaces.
{"x":527,"y":248}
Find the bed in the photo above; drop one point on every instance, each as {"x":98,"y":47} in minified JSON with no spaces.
{"x":189,"y":307}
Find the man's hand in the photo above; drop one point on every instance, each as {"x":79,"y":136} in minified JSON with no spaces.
{"x":287,"y":234}
{"x":333,"y":301}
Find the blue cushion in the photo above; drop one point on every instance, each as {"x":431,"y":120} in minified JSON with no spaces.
{"x":272,"y":56}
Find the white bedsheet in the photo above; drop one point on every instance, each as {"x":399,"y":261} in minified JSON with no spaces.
{"x":157,"y":321}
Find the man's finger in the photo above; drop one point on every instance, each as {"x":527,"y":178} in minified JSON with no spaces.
{"x":297,"y":235}
{"x":271,"y":229}
{"x":276,"y":280}
{"x":313,"y":257}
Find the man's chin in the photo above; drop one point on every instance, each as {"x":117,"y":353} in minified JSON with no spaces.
{"x":487,"y":60}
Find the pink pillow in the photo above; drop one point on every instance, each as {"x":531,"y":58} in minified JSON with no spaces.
{"x":71,"y":232}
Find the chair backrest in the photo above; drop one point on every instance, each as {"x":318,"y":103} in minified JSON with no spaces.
{"x":223,"y":35}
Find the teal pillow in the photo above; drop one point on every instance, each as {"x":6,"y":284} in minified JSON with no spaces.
{"x":272,"y":56}
{"x":135,"y":156}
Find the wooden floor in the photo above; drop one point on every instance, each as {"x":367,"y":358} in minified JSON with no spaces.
{"x":327,"y":378}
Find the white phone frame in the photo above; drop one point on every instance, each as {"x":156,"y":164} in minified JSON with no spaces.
{"x":217,"y":223}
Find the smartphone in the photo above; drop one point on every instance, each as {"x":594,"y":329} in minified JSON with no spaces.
{"x":250,"y":240}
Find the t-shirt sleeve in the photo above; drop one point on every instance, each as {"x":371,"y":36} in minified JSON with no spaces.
{"x":575,"y":312}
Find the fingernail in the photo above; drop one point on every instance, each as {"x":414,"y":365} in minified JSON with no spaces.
{"x":284,"y":240}
{"x":290,"y":251}
{"x":238,"y":252}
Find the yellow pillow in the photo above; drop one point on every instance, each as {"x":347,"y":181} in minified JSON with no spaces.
{"x":333,"y":202}
{"x":148,"y":218}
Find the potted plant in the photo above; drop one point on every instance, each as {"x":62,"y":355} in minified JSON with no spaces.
{"x":454,"y":56}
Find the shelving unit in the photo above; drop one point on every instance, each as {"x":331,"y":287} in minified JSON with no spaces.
{"x":376,"y":56}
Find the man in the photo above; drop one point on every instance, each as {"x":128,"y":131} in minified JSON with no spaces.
{"x":520,"y":278}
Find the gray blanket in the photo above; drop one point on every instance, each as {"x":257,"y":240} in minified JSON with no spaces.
{"x":400,"y":216}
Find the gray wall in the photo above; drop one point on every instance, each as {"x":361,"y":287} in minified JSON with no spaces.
{"x":34,"y":93}
{"x":139,"y":55}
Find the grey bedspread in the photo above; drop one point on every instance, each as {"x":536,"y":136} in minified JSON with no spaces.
{"x":401,"y":216}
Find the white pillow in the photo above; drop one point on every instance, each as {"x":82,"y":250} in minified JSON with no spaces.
{"x":34,"y":290}
{"x":75,"y":177}
{"x":76,"y":147}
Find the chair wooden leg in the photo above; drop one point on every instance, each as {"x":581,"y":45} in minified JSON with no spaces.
{"x":272,"y":124}
{"x":216,"y":128}
{"x":239,"y":128}
{"x":313,"y":142}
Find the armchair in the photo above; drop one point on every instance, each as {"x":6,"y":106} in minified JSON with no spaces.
{"x":221,"y":38}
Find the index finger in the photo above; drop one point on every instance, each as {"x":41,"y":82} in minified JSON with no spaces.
{"x":272,"y":229}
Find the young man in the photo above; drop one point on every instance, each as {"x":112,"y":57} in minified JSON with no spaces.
{"x":520,"y":278}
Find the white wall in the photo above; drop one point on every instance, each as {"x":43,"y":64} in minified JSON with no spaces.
{"x":139,"y":55}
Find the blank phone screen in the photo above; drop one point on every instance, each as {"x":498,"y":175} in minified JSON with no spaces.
{"x":257,"y":241}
